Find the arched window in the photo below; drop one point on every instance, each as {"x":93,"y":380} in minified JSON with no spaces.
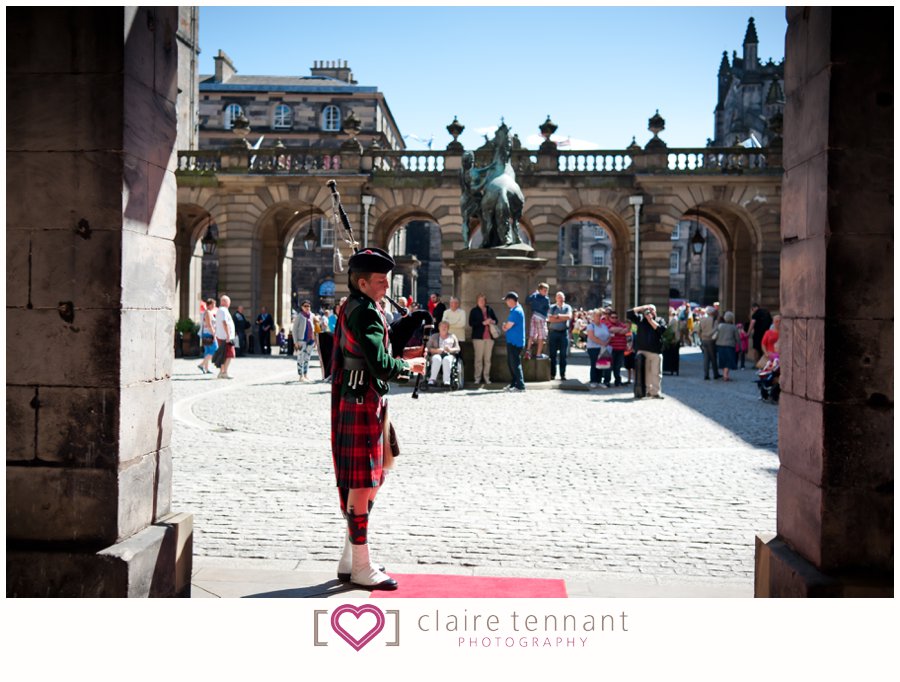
{"x":331,"y":118}
{"x":283,"y":117}
{"x":232,"y":111}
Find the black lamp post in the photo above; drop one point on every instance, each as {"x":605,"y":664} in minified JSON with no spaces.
{"x":310,"y":239}
{"x":698,"y":241}
{"x":209,"y":241}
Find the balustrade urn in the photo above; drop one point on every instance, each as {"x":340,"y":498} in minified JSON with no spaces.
{"x":455,"y":129}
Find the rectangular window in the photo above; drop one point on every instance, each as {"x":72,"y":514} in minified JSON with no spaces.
{"x":326,"y":230}
{"x":675,"y":261}
{"x":598,"y":257}
{"x":676,"y":233}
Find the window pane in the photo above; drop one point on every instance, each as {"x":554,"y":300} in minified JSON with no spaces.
{"x":675,"y":261}
{"x":282,"y":116}
{"x":232,"y":111}
{"x":326,"y":229}
{"x":331,"y":118}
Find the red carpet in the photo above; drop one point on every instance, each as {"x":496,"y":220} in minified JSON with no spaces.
{"x":474,"y":587}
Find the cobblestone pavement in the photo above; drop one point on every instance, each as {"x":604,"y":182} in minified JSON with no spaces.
{"x":556,"y":480}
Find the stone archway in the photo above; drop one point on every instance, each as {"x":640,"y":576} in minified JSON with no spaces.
{"x":617,"y":266}
{"x":417,"y":241}
{"x":272,"y":255}
{"x":192,"y":222}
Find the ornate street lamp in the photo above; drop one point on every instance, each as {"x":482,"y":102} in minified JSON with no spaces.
{"x":698,"y":241}
{"x":209,"y":241}
{"x":310,"y":239}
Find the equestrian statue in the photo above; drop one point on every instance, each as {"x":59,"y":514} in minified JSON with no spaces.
{"x":490,"y":197}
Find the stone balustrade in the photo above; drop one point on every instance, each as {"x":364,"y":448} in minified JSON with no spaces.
{"x":594,"y":162}
{"x":280,"y":161}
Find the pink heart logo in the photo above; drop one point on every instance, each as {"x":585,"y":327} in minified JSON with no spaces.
{"x":357,"y":611}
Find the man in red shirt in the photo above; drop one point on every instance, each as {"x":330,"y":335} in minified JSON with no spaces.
{"x":618,"y":342}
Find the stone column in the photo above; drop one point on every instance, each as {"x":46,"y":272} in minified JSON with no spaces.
{"x":91,"y":201}
{"x":655,"y":249}
{"x":836,"y":479}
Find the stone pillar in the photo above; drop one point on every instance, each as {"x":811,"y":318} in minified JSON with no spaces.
{"x":655,"y":250}
{"x":836,"y":479}
{"x":91,"y":203}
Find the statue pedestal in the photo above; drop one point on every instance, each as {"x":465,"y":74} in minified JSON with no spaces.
{"x":493,"y":272}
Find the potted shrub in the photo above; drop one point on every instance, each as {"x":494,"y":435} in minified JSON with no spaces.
{"x":188,"y":333}
{"x":671,"y":347}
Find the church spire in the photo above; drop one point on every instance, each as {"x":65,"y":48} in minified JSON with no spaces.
{"x":751,"y":37}
{"x":751,"y":62}
{"x":724,"y":66}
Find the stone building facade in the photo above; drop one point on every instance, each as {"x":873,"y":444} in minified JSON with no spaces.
{"x":259,"y":215}
{"x":308,"y":119}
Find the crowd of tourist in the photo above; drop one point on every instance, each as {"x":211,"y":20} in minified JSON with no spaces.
{"x":541,"y":329}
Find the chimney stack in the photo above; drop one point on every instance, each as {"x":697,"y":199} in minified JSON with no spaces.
{"x":339,"y":70}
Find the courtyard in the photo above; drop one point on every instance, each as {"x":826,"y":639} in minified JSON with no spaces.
{"x":617,"y":497}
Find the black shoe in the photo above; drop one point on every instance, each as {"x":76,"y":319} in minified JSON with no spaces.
{"x":658,"y":397}
{"x":705,"y":378}
{"x":719,"y":376}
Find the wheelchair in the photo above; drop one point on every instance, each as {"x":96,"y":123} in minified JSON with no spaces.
{"x":457,"y":373}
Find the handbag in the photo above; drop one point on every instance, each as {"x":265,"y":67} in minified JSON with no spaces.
{"x":604,"y":359}
{"x":495,"y":333}
{"x":208,"y":340}
{"x":218,"y":358}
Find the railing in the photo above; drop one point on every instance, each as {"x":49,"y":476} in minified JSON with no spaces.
{"x":700,"y":160}
{"x":274,"y":162}
{"x":594,"y":162}
{"x":717,"y":160}
{"x":200,"y":162}
{"x":408,"y":162}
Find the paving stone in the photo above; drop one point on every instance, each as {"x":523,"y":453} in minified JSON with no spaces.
{"x":659,"y":488}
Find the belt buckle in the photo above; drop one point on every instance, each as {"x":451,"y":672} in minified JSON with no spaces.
{"x":359,"y":400}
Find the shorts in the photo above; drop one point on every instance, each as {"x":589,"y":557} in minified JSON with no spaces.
{"x":629,"y":360}
{"x":229,"y":349}
{"x":212,"y":348}
{"x":538,"y":328}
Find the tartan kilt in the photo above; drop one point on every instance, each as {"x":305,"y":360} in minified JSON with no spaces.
{"x":357,"y":440}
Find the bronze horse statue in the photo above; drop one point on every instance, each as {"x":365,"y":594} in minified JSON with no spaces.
{"x":491,"y":196}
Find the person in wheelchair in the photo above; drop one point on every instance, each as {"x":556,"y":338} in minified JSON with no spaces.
{"x":769,"y":377}
{"x":443,"y":348}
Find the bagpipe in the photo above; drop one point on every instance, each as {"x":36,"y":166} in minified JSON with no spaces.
{"x":413,"y":329}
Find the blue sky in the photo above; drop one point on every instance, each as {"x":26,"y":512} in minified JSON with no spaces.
{"x":599,"y":72}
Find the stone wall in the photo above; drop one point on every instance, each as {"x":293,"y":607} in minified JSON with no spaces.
{"x":835,"y":483}
{"x":91,"y":209}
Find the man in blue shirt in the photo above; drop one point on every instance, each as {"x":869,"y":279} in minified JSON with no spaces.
{"x":514,"y":327}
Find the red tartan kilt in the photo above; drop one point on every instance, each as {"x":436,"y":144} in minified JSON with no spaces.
{"x":356,"y":443}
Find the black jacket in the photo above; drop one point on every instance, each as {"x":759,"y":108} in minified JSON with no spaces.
{"x":647,"y":338}
{"x":476,"y":321}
